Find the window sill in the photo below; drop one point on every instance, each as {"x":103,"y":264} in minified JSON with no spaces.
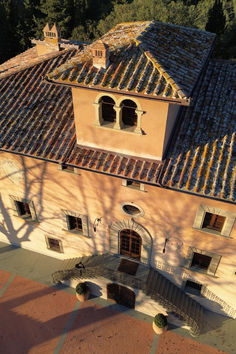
{"x":211,"y":232}
{"x":192,"y":291}
{"x":76,"y":233}
{"x":125,"y":129}
{"x":135,"y":188}
{"x":26,"y":219}
{"x":68,"y":171}
{"x":201,"y":271}
{"x":55,"y":250}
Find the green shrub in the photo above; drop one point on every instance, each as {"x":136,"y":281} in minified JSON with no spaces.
{"x":160,"y":320}
{"x":82,"y":288}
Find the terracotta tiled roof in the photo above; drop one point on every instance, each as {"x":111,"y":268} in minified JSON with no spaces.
{"x":22,"y":61}
{"x":150,"y":58}
{"x":202,"y":158}
{"x":36,"y":119}
{"x":115,"y":164}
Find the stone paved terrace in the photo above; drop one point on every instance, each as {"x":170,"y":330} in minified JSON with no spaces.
{"x":39,"y":318}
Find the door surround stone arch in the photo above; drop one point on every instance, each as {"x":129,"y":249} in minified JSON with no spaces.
{"x":146,"y":247}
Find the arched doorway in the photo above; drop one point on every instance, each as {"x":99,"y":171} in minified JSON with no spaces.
{"x":130,"y":243}
{"x":121,"y":295}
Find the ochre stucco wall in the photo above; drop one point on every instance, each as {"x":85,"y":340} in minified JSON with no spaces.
{"x":167,"y":213}
{"x":156,"y":123}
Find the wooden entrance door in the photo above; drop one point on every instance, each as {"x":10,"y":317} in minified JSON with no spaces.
{"x":130,"y":243}
{"x":121,"y":295}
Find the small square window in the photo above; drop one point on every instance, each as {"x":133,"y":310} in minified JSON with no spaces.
{"x":193,"y":288}
{"x":68,"y":168}
{"x":54,"y":244}
{"x":23,"y":209}
{"x":74,"y":223}
{"x":213,"y":222}
{"x":133,"y":184}
{"x":200,"y":261}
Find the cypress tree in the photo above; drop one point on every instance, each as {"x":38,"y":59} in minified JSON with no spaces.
{"x":216,"y":18}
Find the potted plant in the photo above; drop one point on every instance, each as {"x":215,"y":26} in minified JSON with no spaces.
{"x":82,"y":291}
{"x":159,"y":324}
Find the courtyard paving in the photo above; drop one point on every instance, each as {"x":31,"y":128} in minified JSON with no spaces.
{"x":36,"y":317}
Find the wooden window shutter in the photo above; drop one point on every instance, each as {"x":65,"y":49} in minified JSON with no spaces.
{"x":32,"y":210}
{"x":84,"y":219}
{"x":188,"y":259}
{"x":214,"y":264}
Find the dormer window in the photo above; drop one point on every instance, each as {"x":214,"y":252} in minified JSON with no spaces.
{"x":129,"y":115}
{"x":107,"y":108}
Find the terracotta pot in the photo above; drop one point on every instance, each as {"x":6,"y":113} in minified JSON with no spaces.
{"x":83,"y":297}
{"x":158,"y":330}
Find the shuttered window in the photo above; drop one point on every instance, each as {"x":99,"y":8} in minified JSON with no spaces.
{"x":23,"y":208}
{"x":202,"y":261}
{"x":75,"y":222}
{"x":213,"y":221}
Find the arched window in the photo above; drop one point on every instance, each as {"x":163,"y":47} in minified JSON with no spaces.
{"x":129,"y":116}
{"x":130,"y":243}
{"x":107,"y":109}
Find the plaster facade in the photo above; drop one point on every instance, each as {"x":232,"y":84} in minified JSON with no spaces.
{"x":166,"y":214}
{"x":157,"y":119}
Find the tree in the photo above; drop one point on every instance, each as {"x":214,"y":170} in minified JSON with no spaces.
{"x":216,"y":18}
{"x":60,"y":12}
{"x":143,"y":10}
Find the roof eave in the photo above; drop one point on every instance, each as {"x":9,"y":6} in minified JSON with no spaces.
{"x":178,"y":101}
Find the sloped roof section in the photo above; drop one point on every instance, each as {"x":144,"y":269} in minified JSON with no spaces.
{"x":202,"y":158}
{"x":115,"y":164}
{"x":148,"y":58}
{"x":36,"y":119}
{"x":23,"y":61}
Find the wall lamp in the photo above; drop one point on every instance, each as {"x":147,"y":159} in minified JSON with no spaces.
{"x":175,"y":241}
{"x":164,"y":248}
{"x":95,"y":223}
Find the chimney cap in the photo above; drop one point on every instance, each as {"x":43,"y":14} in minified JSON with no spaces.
{"x":46,"y":28}
{"x":100,"y":45}
{"x":55,"y":28}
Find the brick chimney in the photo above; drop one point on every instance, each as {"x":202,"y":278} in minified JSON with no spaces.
{"x":52,"y":37}
{"x":100,"y":52}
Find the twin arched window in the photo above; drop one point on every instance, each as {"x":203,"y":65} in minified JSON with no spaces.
{"x":127,"y":110}
{"x":107,"y":108}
